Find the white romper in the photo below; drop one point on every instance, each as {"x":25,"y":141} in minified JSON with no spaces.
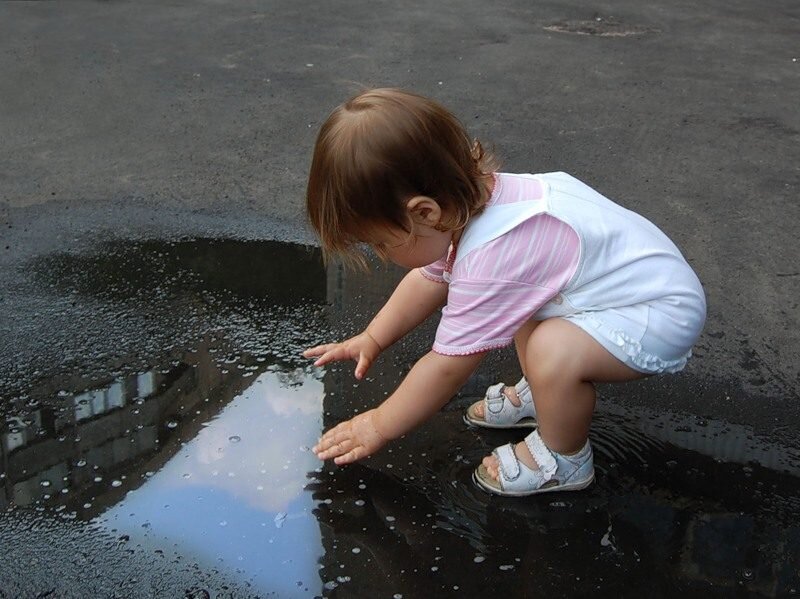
{"x":632,"y":290}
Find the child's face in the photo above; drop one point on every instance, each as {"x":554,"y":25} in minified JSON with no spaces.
{"x":423,"y":246}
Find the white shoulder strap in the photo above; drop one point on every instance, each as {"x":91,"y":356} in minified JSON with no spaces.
{"x":494,"y":222}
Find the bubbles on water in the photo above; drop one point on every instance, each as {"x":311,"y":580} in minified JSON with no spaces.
{"x":234,"y":438}
{"x":116,"y":483}
{"x":45,"y":483}
{"x":478,"y":559}
{"x":172,"y":424}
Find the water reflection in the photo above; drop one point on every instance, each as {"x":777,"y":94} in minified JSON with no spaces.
{"x":235,"y":493}
{"x":206,"y":454}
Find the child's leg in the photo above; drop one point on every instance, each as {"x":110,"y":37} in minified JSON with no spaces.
{"x":561,"y":363}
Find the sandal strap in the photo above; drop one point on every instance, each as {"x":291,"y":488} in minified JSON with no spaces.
{"x":524,"y":391}
{"x":542,"y":455}
{"x":495,"y":398}
{"x":509,"y":465}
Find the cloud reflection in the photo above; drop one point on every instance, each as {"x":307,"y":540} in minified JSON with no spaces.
{"x":235,"y":493}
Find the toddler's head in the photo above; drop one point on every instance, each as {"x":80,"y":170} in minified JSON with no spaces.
{"x":380,"y":149}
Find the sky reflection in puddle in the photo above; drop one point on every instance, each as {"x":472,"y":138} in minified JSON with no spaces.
{"x":235,"y":493}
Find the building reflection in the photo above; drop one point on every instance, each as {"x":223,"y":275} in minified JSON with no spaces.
{"x":66,"y":454}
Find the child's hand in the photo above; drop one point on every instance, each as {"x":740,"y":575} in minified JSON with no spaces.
{"x":352,"y":440}
{"x":362,"y":348}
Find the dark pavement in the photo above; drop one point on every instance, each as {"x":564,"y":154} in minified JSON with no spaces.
{"x":121,"y":121}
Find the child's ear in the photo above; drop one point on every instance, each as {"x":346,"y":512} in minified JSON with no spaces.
{"x":424,"y":211}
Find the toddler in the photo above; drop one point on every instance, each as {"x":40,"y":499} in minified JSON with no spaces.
{"x":586,"y":290}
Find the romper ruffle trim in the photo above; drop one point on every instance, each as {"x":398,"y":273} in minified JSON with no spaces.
{"x":449,"y":350}
{"x":640,"y":359}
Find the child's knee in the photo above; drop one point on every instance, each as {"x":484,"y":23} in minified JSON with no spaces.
{"x":551,"y":358}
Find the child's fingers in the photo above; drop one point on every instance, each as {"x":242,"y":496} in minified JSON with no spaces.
{"x":337,"y":434}
{"x":336,"y":450}
{"x":363,"y":365}
{"x":351,"y":456}
{"x":318,"y":350}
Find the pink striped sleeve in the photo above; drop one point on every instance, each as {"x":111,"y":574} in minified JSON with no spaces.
{"x":501,"y":285}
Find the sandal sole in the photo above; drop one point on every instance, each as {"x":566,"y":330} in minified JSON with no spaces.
{"x":529,"y":423}
{"x":495,"y":491}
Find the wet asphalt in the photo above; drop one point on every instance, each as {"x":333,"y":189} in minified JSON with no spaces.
{"x":152,"y":169}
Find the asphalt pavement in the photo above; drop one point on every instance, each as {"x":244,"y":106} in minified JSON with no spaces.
{"x":127,"y":120}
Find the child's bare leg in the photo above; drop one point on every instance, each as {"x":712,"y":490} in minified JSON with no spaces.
{"x":520,"y":343}
{"x":561,"y":364}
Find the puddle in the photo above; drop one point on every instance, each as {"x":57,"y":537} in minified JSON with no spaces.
{"x":199,"y":450}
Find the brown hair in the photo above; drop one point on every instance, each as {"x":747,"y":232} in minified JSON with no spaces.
{"x":378,"y":150}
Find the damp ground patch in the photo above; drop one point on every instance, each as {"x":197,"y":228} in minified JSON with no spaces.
{"x":600,"y":26}
{"x":175,"y":433}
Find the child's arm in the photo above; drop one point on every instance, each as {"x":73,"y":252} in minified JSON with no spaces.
{"x":413,"y":300}
{"x":432,"y":381}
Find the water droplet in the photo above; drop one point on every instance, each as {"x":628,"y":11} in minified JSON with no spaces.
{"x":359,"y":502}
{"x":45,"y":483}
{"x":116,"y":483}
{"x":234,"y":438}
{"x":80,"y":463}
{"x":478,"y":559}
{"x":172,"y":424}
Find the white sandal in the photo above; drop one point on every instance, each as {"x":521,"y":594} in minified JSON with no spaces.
{"x":556,"y":472}
{"x":499,"y":412}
